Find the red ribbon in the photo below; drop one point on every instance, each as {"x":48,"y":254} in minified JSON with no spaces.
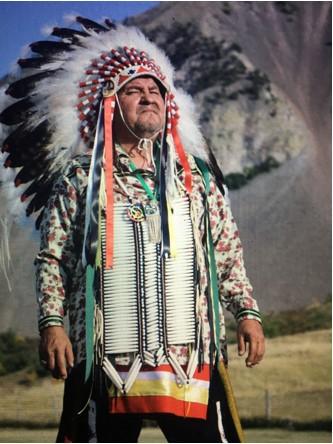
{"x":109,"y":103}
{"x":183,"y":159}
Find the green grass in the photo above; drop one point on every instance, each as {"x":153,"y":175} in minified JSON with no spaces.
{"x":254,"y":435}
{"x":281,"y":435}
{"x":155,"y":435}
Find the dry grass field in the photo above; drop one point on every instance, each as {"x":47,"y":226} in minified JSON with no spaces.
{"x":296,"y":371}
{"x":39,"y":403}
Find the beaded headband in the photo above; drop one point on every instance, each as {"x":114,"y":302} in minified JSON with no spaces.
{"x":112,"y":71}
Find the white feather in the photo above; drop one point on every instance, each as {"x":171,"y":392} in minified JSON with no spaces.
{"x":25,"y":51}
{"x":57,"y":100}
{"x":70,"y":18}
{"x":47,"y":29}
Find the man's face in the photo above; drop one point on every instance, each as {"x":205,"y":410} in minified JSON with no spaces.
{"x":142,"y":105}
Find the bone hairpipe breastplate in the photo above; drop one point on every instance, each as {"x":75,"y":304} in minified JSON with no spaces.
{"x":149,"y":302}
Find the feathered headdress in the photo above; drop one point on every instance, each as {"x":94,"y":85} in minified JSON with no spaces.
{"x":59,"y":94}
{"x":61,"y":104}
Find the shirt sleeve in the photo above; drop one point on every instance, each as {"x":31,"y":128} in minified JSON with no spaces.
{"x":58,"y":253}
{"x":235,"y":289}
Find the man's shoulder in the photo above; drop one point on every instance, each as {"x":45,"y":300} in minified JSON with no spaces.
{"x":78,"y":165}
{"x":76,"y":171}
{"x":193,"y":162}
{"x":80,"y":162}
{"x":204,"y":176}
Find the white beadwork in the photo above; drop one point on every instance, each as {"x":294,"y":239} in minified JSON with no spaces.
{"x":148,"y":302}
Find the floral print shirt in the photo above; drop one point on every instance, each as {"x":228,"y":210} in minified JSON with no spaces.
{"x":61,"y":275}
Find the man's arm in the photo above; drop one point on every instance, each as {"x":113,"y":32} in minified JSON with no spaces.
{"x":55,"y":263}
{"x":55,"y":351}
{"x":250,"y":338}
{"x":234,"y":287}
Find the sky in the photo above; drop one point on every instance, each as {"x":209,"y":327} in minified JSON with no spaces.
{"x":21,"y":22}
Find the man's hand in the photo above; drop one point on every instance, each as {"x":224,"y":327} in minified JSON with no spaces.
{"x":55,"y":351}
{"x":250,"y":336}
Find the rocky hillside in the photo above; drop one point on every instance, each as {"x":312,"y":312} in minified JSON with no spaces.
{"x":241,"y":112}
{"x":260,"y":75}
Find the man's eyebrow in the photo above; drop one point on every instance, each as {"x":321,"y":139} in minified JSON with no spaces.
{"x":126,"y":87}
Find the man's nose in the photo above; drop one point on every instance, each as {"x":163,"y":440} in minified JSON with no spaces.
{"x":146,"y":96}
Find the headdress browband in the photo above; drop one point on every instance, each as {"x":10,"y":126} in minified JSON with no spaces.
{"x":111,"y":71}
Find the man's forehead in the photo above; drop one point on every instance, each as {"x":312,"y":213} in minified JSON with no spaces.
{"x":142,"y":81}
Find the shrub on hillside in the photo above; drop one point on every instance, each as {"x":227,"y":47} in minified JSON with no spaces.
{"x":17,"y":353}
{"x":314,"y":317}
{"x":234,"y":181}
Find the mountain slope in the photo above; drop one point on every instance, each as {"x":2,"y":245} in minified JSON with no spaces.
{"x":270,"y":96}
{"x":284,"y":216}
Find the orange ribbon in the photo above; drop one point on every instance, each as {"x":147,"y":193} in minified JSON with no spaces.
{"x":183,"y":159}
{"x":109,"y":103}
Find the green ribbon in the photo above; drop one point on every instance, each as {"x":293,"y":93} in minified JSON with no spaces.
{"x":152,"y":195}
{"x":214,"y":287}
{"x":212,"y":262}
{"x":144,"y":184}
{"x":89,"y":318}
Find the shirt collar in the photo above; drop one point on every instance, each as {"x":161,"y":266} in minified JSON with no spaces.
{"x":122,"y":159}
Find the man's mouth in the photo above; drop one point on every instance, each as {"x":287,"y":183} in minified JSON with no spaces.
{"x":152,"y":110}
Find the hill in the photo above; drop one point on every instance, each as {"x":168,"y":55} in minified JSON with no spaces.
{"x":264,"y":48}
{"x":260,"y":75}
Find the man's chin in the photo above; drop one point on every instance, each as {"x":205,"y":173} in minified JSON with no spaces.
{"x":147,"y":129}
{"x":147,"y":134}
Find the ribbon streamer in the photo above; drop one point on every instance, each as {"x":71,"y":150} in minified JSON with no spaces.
{"x":165,"y":251}
{"x":109,"y":104}
{"x":89,"y":319}
{"x":213,"y":282}
{"x":183,"y":159}
{"x":91,"y":221}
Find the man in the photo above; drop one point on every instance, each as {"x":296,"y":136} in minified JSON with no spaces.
{"x":138,"y":244}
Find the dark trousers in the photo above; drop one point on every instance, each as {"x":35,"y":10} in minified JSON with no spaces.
{"x":95,"y":424}
{"x":127,"y":428}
